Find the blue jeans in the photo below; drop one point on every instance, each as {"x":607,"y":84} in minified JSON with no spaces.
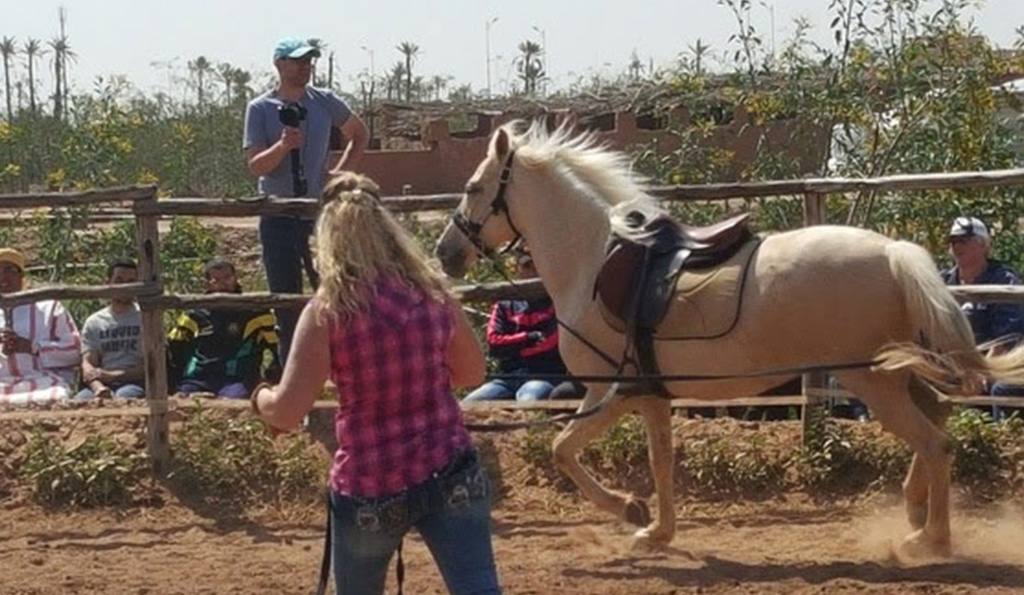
{"x":231,"y":390}
{"x":451,"y":511}
{"x":286,"y":255}
{"x":127,"y":391}
{"x":523,"y":390}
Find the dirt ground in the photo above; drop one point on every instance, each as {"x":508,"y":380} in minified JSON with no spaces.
{"x":547,"y":541}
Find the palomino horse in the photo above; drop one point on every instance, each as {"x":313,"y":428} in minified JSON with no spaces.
{"x":811,"y":297}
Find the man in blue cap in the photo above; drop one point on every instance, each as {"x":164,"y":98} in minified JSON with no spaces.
{"x":287,"y":146}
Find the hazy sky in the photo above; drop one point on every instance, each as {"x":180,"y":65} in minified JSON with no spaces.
{"x":141,"y":38}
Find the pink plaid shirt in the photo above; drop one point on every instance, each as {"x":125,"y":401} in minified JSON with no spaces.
{"x":398,"y":421}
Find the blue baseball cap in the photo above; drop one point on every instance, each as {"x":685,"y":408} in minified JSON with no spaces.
{"x":294,"y":47}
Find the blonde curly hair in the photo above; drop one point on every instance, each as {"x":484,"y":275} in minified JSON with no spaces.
{"x":358,"y":242}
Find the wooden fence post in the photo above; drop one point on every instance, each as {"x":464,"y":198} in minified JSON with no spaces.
{"x":154,"y":351}
{"x":814,"y":407}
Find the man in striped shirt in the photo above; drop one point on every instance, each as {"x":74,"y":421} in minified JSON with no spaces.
{"x":39,"y":343}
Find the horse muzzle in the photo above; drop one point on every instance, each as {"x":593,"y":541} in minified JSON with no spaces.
{"x":454,"y":252}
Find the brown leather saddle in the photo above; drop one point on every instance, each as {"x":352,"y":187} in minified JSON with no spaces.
{"x":638,"y":280}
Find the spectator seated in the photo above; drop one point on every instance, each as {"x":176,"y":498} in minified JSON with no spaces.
{"x":222,"y":351}
{"x":970,"y":245}
{"x":523,"y":337}
{"x":39,"y":343}
{"x":112,"y":343}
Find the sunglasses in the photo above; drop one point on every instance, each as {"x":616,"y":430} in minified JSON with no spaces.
{"x":303,"y":60}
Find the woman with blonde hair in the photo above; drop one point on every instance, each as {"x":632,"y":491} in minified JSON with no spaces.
{"x":384,"y":327}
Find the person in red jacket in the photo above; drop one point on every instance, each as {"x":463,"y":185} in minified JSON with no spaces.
{"x":523,"y":336}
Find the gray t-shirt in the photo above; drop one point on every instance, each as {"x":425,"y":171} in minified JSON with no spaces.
{"x":324,"y":110}
{"x":117,"y":337}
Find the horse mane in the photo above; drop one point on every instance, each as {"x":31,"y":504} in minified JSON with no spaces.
{"x":590,"y":164}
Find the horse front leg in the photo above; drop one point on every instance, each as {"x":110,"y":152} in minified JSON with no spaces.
{"x":657,"y":416}
{"x":575,"y":437}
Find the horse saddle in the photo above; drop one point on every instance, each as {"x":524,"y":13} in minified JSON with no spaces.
{"x":671,"y":281}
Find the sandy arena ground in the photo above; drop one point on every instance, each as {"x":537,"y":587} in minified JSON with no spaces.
{"x":547,"y":541}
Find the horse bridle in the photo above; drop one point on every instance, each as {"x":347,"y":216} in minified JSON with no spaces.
{"x":472,"y":229}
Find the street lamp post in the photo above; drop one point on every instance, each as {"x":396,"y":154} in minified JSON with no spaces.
{"x":373,"y":72}
{"x":487,"y":44}
{"x":544,"y":54}
{"x":771,"y":15}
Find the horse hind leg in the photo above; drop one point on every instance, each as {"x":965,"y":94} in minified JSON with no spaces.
{"x":915,"y":486}
{"x":889,"y":397}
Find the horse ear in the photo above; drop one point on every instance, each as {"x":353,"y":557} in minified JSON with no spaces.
{"x":501,"y":143}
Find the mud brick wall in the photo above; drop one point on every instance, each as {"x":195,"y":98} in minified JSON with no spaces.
{"x":446,"y":161}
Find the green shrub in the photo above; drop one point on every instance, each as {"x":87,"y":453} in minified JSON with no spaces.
{"x":622,"y":448}
{"x":980,"y":464}
{"x":96,"y":472}
{"x":536,"y":448}
{"x":724,"y":465}
{"x":834,"y":459}
{"x":218,"y":457}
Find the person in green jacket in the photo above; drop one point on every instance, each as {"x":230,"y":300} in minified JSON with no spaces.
{"x":223,"y":351}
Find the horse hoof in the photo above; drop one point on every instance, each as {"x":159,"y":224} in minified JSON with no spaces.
{"x":637,"y":513}
{"x":653,"y":538}
{"x":919,"y":545}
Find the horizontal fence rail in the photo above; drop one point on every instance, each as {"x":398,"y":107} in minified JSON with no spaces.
{"x":80,"y":292}
{"x":898,"y":183}
{"x":77,"y":199}
{"x":177,"y":407}
{"x":150,"y":297}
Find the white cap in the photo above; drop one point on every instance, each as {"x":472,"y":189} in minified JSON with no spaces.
{"x":968,"y":227}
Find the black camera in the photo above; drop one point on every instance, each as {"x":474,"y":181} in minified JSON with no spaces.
{"x":291,"y":114}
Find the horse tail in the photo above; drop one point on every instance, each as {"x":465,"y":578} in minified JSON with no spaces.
{"x":945,"y":355}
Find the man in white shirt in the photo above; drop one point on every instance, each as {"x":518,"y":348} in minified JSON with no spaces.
{"x":39,"y":343}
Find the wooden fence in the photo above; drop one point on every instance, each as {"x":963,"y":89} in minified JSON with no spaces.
{"x":153,"y":300}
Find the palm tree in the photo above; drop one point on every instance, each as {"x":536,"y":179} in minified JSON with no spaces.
{"x":530,"y":65}
{"x":240,"y":79}
{"x":58,"y":94}
{"x":62,"y":56}
{"x":394,"y":80}
{"x":321,"y":47}
{"x":439,"y":83}
{"x":330,"y":70}
{"x":33,"y":49}
{"x":200,"y":67}
{"x":409,"y":50}
{"x":8,"y":50}
{"x":636,"y":67}
{"x":227,"y":76}
{"x":699,"y":50}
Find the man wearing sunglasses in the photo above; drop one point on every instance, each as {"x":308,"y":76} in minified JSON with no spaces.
{"x":287,"y":143}
{"x":970,"y":245}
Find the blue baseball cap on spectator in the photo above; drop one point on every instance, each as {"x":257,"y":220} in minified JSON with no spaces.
{"x":294,"y":47}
